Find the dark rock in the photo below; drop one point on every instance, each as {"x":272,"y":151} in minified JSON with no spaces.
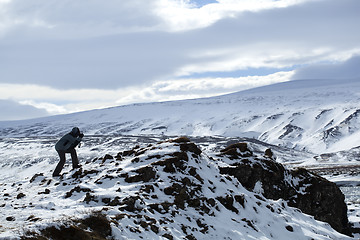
{"x":228,"y":202}
{"x":154,"y":228}
{"x":194,"y":173}
{"x":190,"y":147}
{"x":249,"y":223}
{"x":240,"y":199}
{"x":269,"y":153}
{"x":47,"y":191}
{"x":98,"y":223}
{"x":133,"y":151}
{"x":135,"y":160}
{"x":35,"y":176}
{"x":90,"y":198}
{"x":310,"y":193}
{"x":147,"y":188}
{"x":118,"y":156}
{"x":145,"y":174}
{"x":78,"y":174}
{"x":96,"y":227}
{"x":168,"y":236}
{"x":177,"y":161}
{"x":32,"y":218}
{"x":181,"y":198}
{"x":20,"y":195}
{"x":190,"y":237}
{"x":236,"y":150}
{"x":107,"y":157}
{"x":115,"y":202}
{"x":129,"y":204}
{"x":10,"y":219}
{"x":105,"y":200}
{"x":181,"y":140}
{"x":289,"y":228}
{"x":82,"y":173}
{"x":172,"y":190}
{"x":77,"y":189}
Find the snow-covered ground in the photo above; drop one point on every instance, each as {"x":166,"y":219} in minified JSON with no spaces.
{"x":31,"y":201}
{"x":312,"y":124}
{"x":22,"y":158}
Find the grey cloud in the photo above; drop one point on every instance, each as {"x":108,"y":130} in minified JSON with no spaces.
{"x":92,"y":17}
{"x":124,"y":59}
{"x":318,"y":23}
{"x":11,"y":110}
{"x":345,"y":70}
{"x":105,"y":62}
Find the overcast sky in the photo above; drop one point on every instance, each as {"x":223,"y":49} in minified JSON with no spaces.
{"x":71,"y":55}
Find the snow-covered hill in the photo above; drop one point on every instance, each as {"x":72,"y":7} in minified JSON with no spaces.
{"x":314,"y":115}
{"x":165,"y":190}
{"x":297,"y":120}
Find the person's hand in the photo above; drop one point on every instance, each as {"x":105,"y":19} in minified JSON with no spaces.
{"x":81,"y":135}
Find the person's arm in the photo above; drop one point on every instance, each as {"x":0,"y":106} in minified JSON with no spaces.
{"x":69,"y":141}
{"x":76,"y":141}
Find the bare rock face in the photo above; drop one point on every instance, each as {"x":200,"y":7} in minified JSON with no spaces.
{"x":302,"y":189}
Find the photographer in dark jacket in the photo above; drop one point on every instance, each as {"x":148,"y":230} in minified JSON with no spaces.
{"x":67,"y":144}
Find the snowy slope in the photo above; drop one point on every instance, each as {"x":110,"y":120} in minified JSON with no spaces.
{"x":146,"y":196}
{"x":314,"y":115}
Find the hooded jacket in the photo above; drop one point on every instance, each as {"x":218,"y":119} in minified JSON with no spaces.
{"x":70,"y":140}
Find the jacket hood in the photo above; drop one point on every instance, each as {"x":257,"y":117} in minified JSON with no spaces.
{"x":75,"y":131}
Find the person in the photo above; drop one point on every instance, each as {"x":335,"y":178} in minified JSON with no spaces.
{"x":67,"y":144}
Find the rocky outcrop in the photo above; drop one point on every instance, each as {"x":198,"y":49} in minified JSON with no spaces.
{"x":302,"y":189}
{"x":172,"y":190}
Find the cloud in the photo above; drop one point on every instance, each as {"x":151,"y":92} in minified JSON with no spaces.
{"x":11,"y":110}
{"x":51,"y":19}
{"x":56,"y":101}
{"x":212,"y":86}
{"x":144,"y":50}
{"x":184,"y":15}
{"x":107,"y":62}
{"x":338,"y":70}
{"x":73,"y":46}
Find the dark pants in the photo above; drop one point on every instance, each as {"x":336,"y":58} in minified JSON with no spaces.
{"x":74,"y":158}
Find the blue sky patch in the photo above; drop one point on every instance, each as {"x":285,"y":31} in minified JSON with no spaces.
{"x":201,"y":3}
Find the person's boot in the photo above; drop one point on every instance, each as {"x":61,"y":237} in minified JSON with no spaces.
{"x":76,"y":166}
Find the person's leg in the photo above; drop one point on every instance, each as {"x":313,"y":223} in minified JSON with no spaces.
{"x":74,"y":158}
{"x":61,"y":163}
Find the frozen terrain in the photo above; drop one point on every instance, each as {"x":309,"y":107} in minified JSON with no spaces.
{"x":319,"y":116}
{"x":31,"y":199}
{"x":312,"y":124}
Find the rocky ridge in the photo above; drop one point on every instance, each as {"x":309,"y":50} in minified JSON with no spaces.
{"x":171,"y":190}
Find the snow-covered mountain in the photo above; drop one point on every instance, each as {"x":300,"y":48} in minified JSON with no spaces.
{"x":314,"y":115}
{"x":144,"y":192}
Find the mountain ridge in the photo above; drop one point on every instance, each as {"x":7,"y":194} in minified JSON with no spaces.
{"x":312,"y":115}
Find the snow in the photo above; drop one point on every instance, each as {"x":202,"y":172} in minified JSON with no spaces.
{"x":259,"y":219}
{"x":258,"y":188}
{"x":310,"y":123}
{"x":296,"y":114}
